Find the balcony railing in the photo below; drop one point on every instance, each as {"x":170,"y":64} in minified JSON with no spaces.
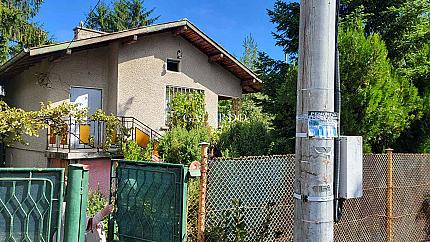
{"x":91,"y":135}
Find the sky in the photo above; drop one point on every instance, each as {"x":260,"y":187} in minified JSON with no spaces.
{"x":227,"y":22}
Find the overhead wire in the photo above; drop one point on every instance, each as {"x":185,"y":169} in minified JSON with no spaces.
{"x":86,"y":20}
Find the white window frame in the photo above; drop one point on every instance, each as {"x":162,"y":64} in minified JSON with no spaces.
{"x":168,"y":96}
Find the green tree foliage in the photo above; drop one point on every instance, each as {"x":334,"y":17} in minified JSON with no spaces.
{"x":132,"y":151}
{"x":403,"y":25}
{"x":120,"y":15}
{"x":187,"y":110}
{"x":181,"y":146}
{"x":376,"y":102}
{"x":244,"y":138}
{"x":247,"y":105}
{"x":17,"y":31}
{"x":279,"y":85}
{"x":379,"y":100}
{"x":286,"y":18}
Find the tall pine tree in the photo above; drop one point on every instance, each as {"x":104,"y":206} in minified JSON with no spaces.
{"x":120,"y":15}
{"x":17,"y":30}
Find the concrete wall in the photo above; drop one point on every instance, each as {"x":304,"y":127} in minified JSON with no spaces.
{"x":142,"y":78}
{"x":99,"y":172}
{"x":99,"y":177}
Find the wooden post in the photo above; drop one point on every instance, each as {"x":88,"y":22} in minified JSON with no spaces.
{"x":389,"y":205}
{"x":203,"y":188}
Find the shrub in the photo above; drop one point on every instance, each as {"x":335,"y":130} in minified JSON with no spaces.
{"x":244,"y":138}
{"x":132,"y":151}
{"x":96,"y":202}
{"x":187,"y":110}
{"x":181,"y":146}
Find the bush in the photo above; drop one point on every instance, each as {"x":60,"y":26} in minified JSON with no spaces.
{"x":96,"y":202}
{"x":245,"y":138}
{"x":132,"y":151}
{"x":181,"y":146}
{"x":187,"y":110}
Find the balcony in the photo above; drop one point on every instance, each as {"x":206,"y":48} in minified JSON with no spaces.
{"x":89,"y":139}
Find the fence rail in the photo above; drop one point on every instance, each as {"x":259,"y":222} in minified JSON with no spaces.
{"x":264,"y":187}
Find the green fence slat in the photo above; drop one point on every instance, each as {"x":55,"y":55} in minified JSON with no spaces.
{"x":30,"y":204}
{"x":150,"y":201}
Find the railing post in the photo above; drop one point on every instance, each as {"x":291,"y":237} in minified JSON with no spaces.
{"x":389,"y":196}
{"x":203,"y":188}
{"x":69,"y":132}
{"x":76,"y":204}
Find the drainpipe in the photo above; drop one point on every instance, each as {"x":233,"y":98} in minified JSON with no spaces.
{"x":338,"y":202}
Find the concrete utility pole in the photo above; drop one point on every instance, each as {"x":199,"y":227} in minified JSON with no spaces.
{"x":313,"y":215}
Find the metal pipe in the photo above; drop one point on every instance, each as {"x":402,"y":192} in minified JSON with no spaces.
{"x":389,"y":205}
{"x":76,"y":205}
{"x":203,"y":188}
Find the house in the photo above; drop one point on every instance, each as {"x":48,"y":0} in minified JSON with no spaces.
{"x":132,"y":74}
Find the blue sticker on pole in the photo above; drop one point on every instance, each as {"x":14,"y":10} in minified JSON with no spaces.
{"x":322,"y":125}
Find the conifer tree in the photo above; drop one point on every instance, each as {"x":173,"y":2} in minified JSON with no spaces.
{"x":120,"y":15}
{"x":17,"y":30}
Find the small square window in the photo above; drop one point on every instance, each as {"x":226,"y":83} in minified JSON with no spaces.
{"x":173,"y":65}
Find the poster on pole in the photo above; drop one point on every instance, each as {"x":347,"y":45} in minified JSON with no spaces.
{"x":322,"y":125}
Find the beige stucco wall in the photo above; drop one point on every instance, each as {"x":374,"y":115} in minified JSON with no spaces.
{"x":133,"y":79}
{"x":142,"y":78}
{"x":86,"y":68}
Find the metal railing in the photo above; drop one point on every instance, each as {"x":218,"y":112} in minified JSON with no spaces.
{"x":91,"y":134}
{"x":134,"y":125}
{"x":87,"y":134}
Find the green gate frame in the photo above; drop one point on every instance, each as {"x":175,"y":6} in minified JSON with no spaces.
{"x":23,"y":192}
{"x":130,"y":169}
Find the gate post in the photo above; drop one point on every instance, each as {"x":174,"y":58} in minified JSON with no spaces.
{"x":203,"y":188}
{"x":76,"y":204}
{"x":389,"y":196}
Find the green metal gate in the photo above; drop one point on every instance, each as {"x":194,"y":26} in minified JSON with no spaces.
{"x":30,"y":202}
{"x":151,"y":201}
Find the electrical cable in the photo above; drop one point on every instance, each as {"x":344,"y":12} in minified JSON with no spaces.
{"x":86,"y":19}
{"x":338,"y":202}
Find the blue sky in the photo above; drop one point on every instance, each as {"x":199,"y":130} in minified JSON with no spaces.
{"x":226,"y":21}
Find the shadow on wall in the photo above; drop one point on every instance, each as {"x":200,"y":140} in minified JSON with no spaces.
{"x":124,"y":107}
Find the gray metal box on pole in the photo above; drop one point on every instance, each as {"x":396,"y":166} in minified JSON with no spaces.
{"x":351,"y":167}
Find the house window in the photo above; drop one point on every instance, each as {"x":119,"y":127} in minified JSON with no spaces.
{"x":171,"y":91}
{"x":173,"y":65}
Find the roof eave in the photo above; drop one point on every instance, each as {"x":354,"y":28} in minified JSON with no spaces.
{"x":223,"y":51}
{"x":16,"y":58}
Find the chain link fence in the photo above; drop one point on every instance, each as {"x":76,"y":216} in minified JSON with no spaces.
{"x":411,"y":174}
{"x":364,"y":218}
{"x":264,"y":187}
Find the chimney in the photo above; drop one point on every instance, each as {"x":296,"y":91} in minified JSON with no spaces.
{"x":84,"y":33}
